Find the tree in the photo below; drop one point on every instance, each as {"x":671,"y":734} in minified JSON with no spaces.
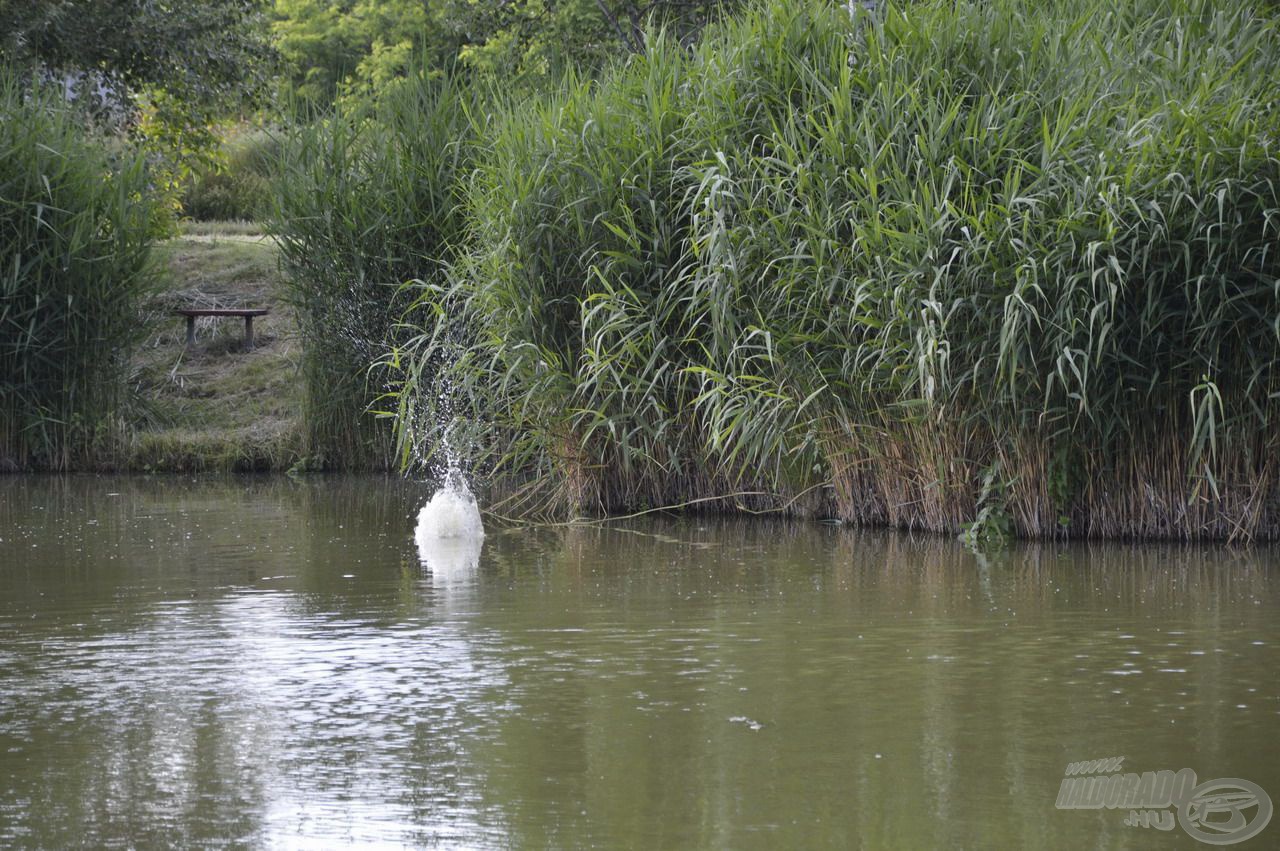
{"x":192,"y":60}
{"x":332,"y":47}
{"x":546,"y":37}
{"x":188,"y":62}
{"x":168,"y":70}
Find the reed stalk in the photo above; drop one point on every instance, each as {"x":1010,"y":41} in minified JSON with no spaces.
{"x":367,"y":201}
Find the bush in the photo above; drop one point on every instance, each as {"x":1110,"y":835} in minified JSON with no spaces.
{"x":237,"y":186}
{"x":75,"y":237}
{"x":1003,"y":262}
{"x":368,"y":201}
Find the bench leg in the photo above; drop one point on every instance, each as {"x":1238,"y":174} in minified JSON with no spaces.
{"x":248,"y":332}
{"x":191,"y":330}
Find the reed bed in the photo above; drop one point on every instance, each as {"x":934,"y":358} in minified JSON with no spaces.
{"x":367,"y":202}
{"x":76,"y":227}
{"x":998,"y":268}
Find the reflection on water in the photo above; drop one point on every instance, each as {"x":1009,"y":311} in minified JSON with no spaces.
{"x":451,"y":562}
{"x":265,"y":662}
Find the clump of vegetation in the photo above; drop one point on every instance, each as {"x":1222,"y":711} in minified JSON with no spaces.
{"x":236,"y":185}
{"x":369,"y":200}
{"x":1003,"y":263}
{"x":164,"y":74}
{"x":76,"y":227}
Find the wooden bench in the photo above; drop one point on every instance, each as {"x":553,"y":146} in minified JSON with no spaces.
{"x":247,"y":312}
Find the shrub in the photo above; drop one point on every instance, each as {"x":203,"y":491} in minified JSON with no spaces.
{"x":236,"y":186}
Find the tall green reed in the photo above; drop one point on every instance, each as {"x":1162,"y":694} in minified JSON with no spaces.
{"x":76,"y":226}
{"x":367,"y":201}
{"x":1000,"y":266}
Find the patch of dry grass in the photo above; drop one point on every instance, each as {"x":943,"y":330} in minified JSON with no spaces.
{"x":229,"y":228}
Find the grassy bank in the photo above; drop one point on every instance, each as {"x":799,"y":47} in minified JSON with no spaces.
{"x":217,"y":406}
{"x":995,"y":268}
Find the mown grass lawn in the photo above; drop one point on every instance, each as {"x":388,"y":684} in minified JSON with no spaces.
{"x":217,"y":405}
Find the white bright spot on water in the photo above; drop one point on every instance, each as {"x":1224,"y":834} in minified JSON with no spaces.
{"x":451,"y":513}
{"x":450,"y":533}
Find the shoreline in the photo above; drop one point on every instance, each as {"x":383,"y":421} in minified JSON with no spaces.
{"x":492,"y":495}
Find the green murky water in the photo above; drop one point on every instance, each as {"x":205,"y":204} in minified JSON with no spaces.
{"x":266,"y":663}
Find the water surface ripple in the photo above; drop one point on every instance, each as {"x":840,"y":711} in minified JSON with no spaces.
{"x":266,"y":663}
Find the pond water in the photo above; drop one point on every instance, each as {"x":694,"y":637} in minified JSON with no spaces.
{"x":264,"y":662}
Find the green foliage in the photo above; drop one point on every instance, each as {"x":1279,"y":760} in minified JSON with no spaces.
{"x":163,"y":72}
{"x":992,"y":527}
{"x":331,"y":47}
{"x":368,"y":201}
{"x":193,"y":60}
{"x":334,"y":49}
{"x":892,"y":252}
{"x":539,"y":41}
{"x":75,"y":238}
{"x":238,"y":184}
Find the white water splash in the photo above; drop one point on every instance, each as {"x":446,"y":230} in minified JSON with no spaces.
{"x":450,"y":561}
{"x":452,"y":513}
{"x":450,"y":533}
